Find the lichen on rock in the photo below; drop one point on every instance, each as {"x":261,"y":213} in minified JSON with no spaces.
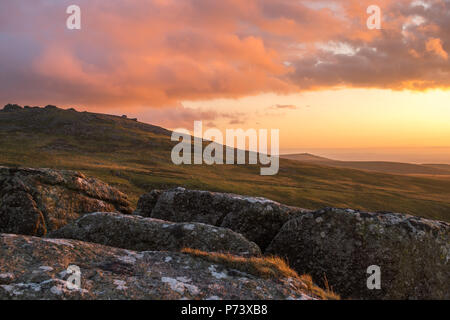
{"x":148,"y":234}
{"x":37,"y":201}
{"x":258,"y":219}
{"x":119,"y":274}
{"x":341,"y":244}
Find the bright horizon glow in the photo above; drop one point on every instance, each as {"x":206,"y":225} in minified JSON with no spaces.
{"x":312,"y":69}
{"x":344,"y":124}
{"x":345,"y":118}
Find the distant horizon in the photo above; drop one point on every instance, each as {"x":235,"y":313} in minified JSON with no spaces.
{"x":240,"y":149}
{"x":319,"y":71}
{"x":414,"y":155}
{"x":403,"y":154}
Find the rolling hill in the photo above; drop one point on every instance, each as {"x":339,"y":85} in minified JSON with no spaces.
{"x":135,"y":157}
{"x":378,"y":166}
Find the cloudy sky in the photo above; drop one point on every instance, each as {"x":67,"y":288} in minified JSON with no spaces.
{"x":311,"y":68}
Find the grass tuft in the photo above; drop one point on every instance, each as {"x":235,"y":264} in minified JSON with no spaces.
{"x":270,"y":267}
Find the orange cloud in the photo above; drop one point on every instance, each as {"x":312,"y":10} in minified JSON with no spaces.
{"x":157,"y":53}
{"x":435,"y":45}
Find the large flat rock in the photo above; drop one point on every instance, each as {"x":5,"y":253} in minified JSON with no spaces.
{"x":148,"y":234}
{"x":36,"y":268}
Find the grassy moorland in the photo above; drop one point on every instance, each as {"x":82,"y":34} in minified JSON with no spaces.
{"x":377,"y":166}
{"x":135,"y":157}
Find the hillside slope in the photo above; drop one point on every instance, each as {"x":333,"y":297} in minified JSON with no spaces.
{"x":135,"y":157}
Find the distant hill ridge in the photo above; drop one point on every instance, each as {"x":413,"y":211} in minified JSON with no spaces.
{"x":135,"y":157}
{"x":379,"y":166}
{"x":62,"y":118}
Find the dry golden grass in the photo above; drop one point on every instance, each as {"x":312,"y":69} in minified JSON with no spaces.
{"x":269,"y":267}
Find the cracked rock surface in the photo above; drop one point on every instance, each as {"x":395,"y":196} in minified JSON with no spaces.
{"x":39,"y":271}
{"x":257,"y":219}
{"x":37,"y":201}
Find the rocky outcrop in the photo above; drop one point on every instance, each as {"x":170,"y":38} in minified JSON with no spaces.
{"x":147,"y":234}
{"x":413,"y":253}
{"x":11,"y":107}
{"x":140,"y":256}
{"x":37,"y":268}
{"x":258,"y":219}
{"x":146,"y":203}
{"x":36,"y":201}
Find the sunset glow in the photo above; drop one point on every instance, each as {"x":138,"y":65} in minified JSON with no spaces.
{"x":311,"y":68}
{"x":230,"y":158}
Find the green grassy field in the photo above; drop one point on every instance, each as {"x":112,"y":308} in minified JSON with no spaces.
{"x":135,"y":157}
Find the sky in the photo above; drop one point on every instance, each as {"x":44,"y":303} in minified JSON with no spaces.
{"x":312,"y":69}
